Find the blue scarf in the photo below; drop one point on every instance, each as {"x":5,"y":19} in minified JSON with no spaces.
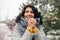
{"x":22,"y":25}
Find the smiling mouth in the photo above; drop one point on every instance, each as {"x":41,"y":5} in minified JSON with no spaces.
{"x":31,"y":16}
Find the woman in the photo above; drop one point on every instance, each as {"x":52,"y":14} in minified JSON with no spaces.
{"x":26,"y":21}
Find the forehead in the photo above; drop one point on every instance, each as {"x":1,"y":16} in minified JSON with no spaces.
{"x":28,"y":8}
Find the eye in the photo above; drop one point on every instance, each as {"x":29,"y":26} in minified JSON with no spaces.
{"x":32,"y":12}
{"x":26,"y":11}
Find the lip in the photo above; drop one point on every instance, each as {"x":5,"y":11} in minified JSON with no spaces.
{"x":31,"y":16}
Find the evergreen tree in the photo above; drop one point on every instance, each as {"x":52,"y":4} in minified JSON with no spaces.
{"x":50,"y":10}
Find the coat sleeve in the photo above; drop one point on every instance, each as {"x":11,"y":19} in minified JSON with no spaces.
{"x":18,"y":36}
{"x":26,"y":36}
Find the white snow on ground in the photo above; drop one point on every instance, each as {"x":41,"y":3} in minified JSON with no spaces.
{"x":4,"y":31}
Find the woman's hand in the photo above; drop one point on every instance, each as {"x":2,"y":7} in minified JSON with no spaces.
{"x":32,"y":22}
{"x":32,"y":26}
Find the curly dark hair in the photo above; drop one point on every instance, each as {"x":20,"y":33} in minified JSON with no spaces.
{"x":35,"y":11}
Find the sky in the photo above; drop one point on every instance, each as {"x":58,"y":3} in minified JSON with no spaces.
{"x":9,"y":8}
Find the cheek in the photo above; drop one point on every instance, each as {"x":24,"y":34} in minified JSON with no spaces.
{"x":32,"y":15}
{"x":25,"y":14}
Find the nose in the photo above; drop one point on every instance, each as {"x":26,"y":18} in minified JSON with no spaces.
{"x":29,"y":13}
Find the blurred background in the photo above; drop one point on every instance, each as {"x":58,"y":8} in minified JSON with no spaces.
{"x":49,"y":9}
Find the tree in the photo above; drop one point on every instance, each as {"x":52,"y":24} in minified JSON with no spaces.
{"x":50,"y":10}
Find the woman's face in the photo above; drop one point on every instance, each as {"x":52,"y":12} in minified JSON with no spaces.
{"x":28,"y":13}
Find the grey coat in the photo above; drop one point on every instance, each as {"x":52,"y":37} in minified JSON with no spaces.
{"x":20,"y":32}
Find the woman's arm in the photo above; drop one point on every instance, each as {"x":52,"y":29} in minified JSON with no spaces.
{"x":17,"y":35}
{"x":27,"y":36}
